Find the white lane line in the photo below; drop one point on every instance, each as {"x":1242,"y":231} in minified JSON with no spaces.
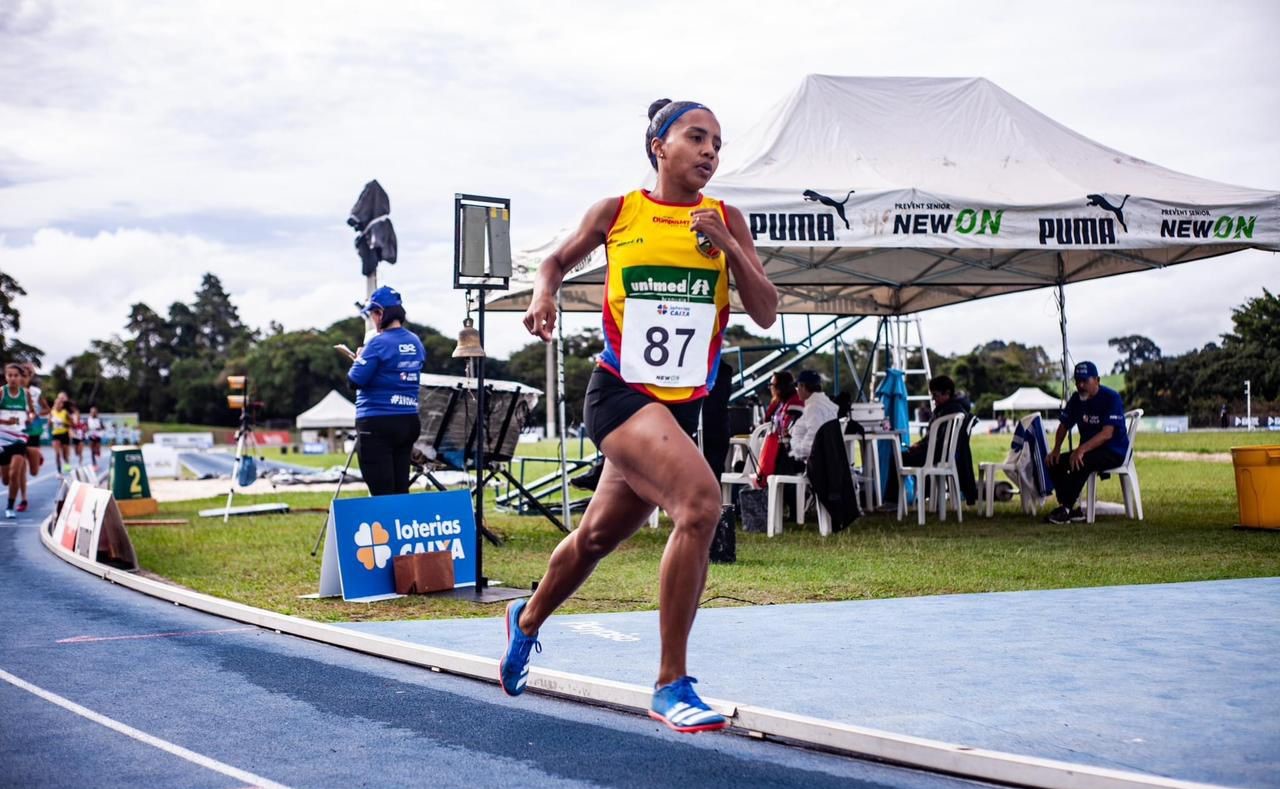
{"x":176,"y":634}
{"x":141,"y":736}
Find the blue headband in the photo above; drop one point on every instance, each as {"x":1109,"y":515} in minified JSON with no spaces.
{"x":662,"y":130}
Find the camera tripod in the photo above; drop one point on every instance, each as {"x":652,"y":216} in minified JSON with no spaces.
{"x":246,"y":450}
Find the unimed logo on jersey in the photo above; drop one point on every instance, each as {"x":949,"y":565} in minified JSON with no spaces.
{"x":669,"y":283}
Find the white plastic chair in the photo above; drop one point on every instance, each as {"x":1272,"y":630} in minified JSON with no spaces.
{"x":1126,"y":471}
{"x":944,"y":437}
{"x":750,"y":465}
{"x":776,"y":481}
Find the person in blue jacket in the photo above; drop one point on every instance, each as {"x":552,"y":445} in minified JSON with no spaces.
{"x":1104,"y":441}
{"x":385,"y":374}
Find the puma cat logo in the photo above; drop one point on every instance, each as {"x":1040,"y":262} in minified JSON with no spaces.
{"x":815,"y":197}
{"x":1101,"y":202}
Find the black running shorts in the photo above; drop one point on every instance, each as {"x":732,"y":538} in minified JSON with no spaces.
{"x":10,"y":452}
{"x":610,"y":402}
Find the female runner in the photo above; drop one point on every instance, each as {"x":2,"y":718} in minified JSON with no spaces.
{"x":60,"y":432}
{"x":671,"y":253}
{"x":15,"y":414}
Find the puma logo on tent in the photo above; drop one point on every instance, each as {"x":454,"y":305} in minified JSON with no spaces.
{"x":815,"y":197}
{"x":1101,"y":202}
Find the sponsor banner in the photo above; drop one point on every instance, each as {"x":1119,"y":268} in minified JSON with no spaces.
{"x":272,"y":438}
{"x":79,"y":524}
{"x":314,"y":448}
{"x":184,"y":440}
{"x":1164,"y":424}
{"x":160,"y":461}
{"x":1256,"y":421}
{"x":847,"y":217}
{"x":265,"y":438}
{"x":364,"y":534}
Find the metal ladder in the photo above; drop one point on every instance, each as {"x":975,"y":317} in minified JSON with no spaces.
{"x":900,"y":352}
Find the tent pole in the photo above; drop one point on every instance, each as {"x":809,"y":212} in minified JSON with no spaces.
{"x":1062,"y":326}
{"x":550,"y":371}
{"x":564,"y":466}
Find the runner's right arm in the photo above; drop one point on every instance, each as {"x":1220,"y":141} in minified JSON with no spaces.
{"x":540,"y":318}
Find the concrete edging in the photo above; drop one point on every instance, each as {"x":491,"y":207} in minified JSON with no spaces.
{"x":916,"y":752}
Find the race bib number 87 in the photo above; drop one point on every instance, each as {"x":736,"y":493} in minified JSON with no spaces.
{"x":670,"y":318}
{"x":666,"y":343}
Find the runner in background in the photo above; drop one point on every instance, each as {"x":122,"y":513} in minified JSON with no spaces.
{"x":77,"y":431}
{"x":35,"y":427}
{"x":94,"y":430}
{"x":15,"y":413}
{"x":60,"y":429}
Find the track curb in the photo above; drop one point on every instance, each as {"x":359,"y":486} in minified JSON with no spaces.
{"x":906,"y":750}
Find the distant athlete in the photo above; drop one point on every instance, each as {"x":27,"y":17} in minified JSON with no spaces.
{"x":60,"y":432}
{"x":665,"y":308}
{"x":94,"y":428}
{"x":16,"y":413}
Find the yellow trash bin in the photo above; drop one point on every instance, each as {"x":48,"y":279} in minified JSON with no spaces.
{"x":1258,"y":485}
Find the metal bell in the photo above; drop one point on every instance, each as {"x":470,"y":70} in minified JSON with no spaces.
{"x":468,"y":343}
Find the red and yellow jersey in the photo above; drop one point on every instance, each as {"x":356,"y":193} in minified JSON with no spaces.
{"x":666,"y":299}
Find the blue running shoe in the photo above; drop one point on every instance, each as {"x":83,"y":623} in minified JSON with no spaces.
{"x":678,"y":706}
{"x":513,"y":671}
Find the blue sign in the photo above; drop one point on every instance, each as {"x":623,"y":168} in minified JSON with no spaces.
{"x":368,"y":532}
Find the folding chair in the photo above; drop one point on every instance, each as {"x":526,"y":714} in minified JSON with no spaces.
{"x":1126,"y":471}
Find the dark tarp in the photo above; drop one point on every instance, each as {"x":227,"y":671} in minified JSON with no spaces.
{"x":371,"y":218}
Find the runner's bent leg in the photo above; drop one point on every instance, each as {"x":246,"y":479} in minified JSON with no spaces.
{"x":614,"y":514}
{"x":662,"y":464}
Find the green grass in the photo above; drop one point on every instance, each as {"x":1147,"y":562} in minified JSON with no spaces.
{"x":326,"y":460}
{"x":1187,"y":536}
{"x":1203,"y":442}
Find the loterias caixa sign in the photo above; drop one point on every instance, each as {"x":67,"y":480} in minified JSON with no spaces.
{"x":848,"y":217}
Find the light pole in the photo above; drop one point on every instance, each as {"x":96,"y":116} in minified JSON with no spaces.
{"x":1248,"y":404}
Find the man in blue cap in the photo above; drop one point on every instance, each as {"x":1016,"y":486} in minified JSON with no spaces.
{"x":385,"y":374}
{"x":1104,"y":440}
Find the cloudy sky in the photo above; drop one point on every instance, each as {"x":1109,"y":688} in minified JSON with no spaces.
{"x":145,"y":143}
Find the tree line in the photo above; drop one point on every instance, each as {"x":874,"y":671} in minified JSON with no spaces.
{"x":172,"y":367}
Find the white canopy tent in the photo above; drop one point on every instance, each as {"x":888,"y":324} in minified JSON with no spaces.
{"x":891,"y":195}
{"x":1029,"y":398}
{"x":333,"y":410}
{"x":894,"y":195}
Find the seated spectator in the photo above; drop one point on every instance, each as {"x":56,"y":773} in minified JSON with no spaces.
{"x":785,"y":407}
{"x":1104,"y":440}
{"x":945,"y":402}
{"x":818,"y":410}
